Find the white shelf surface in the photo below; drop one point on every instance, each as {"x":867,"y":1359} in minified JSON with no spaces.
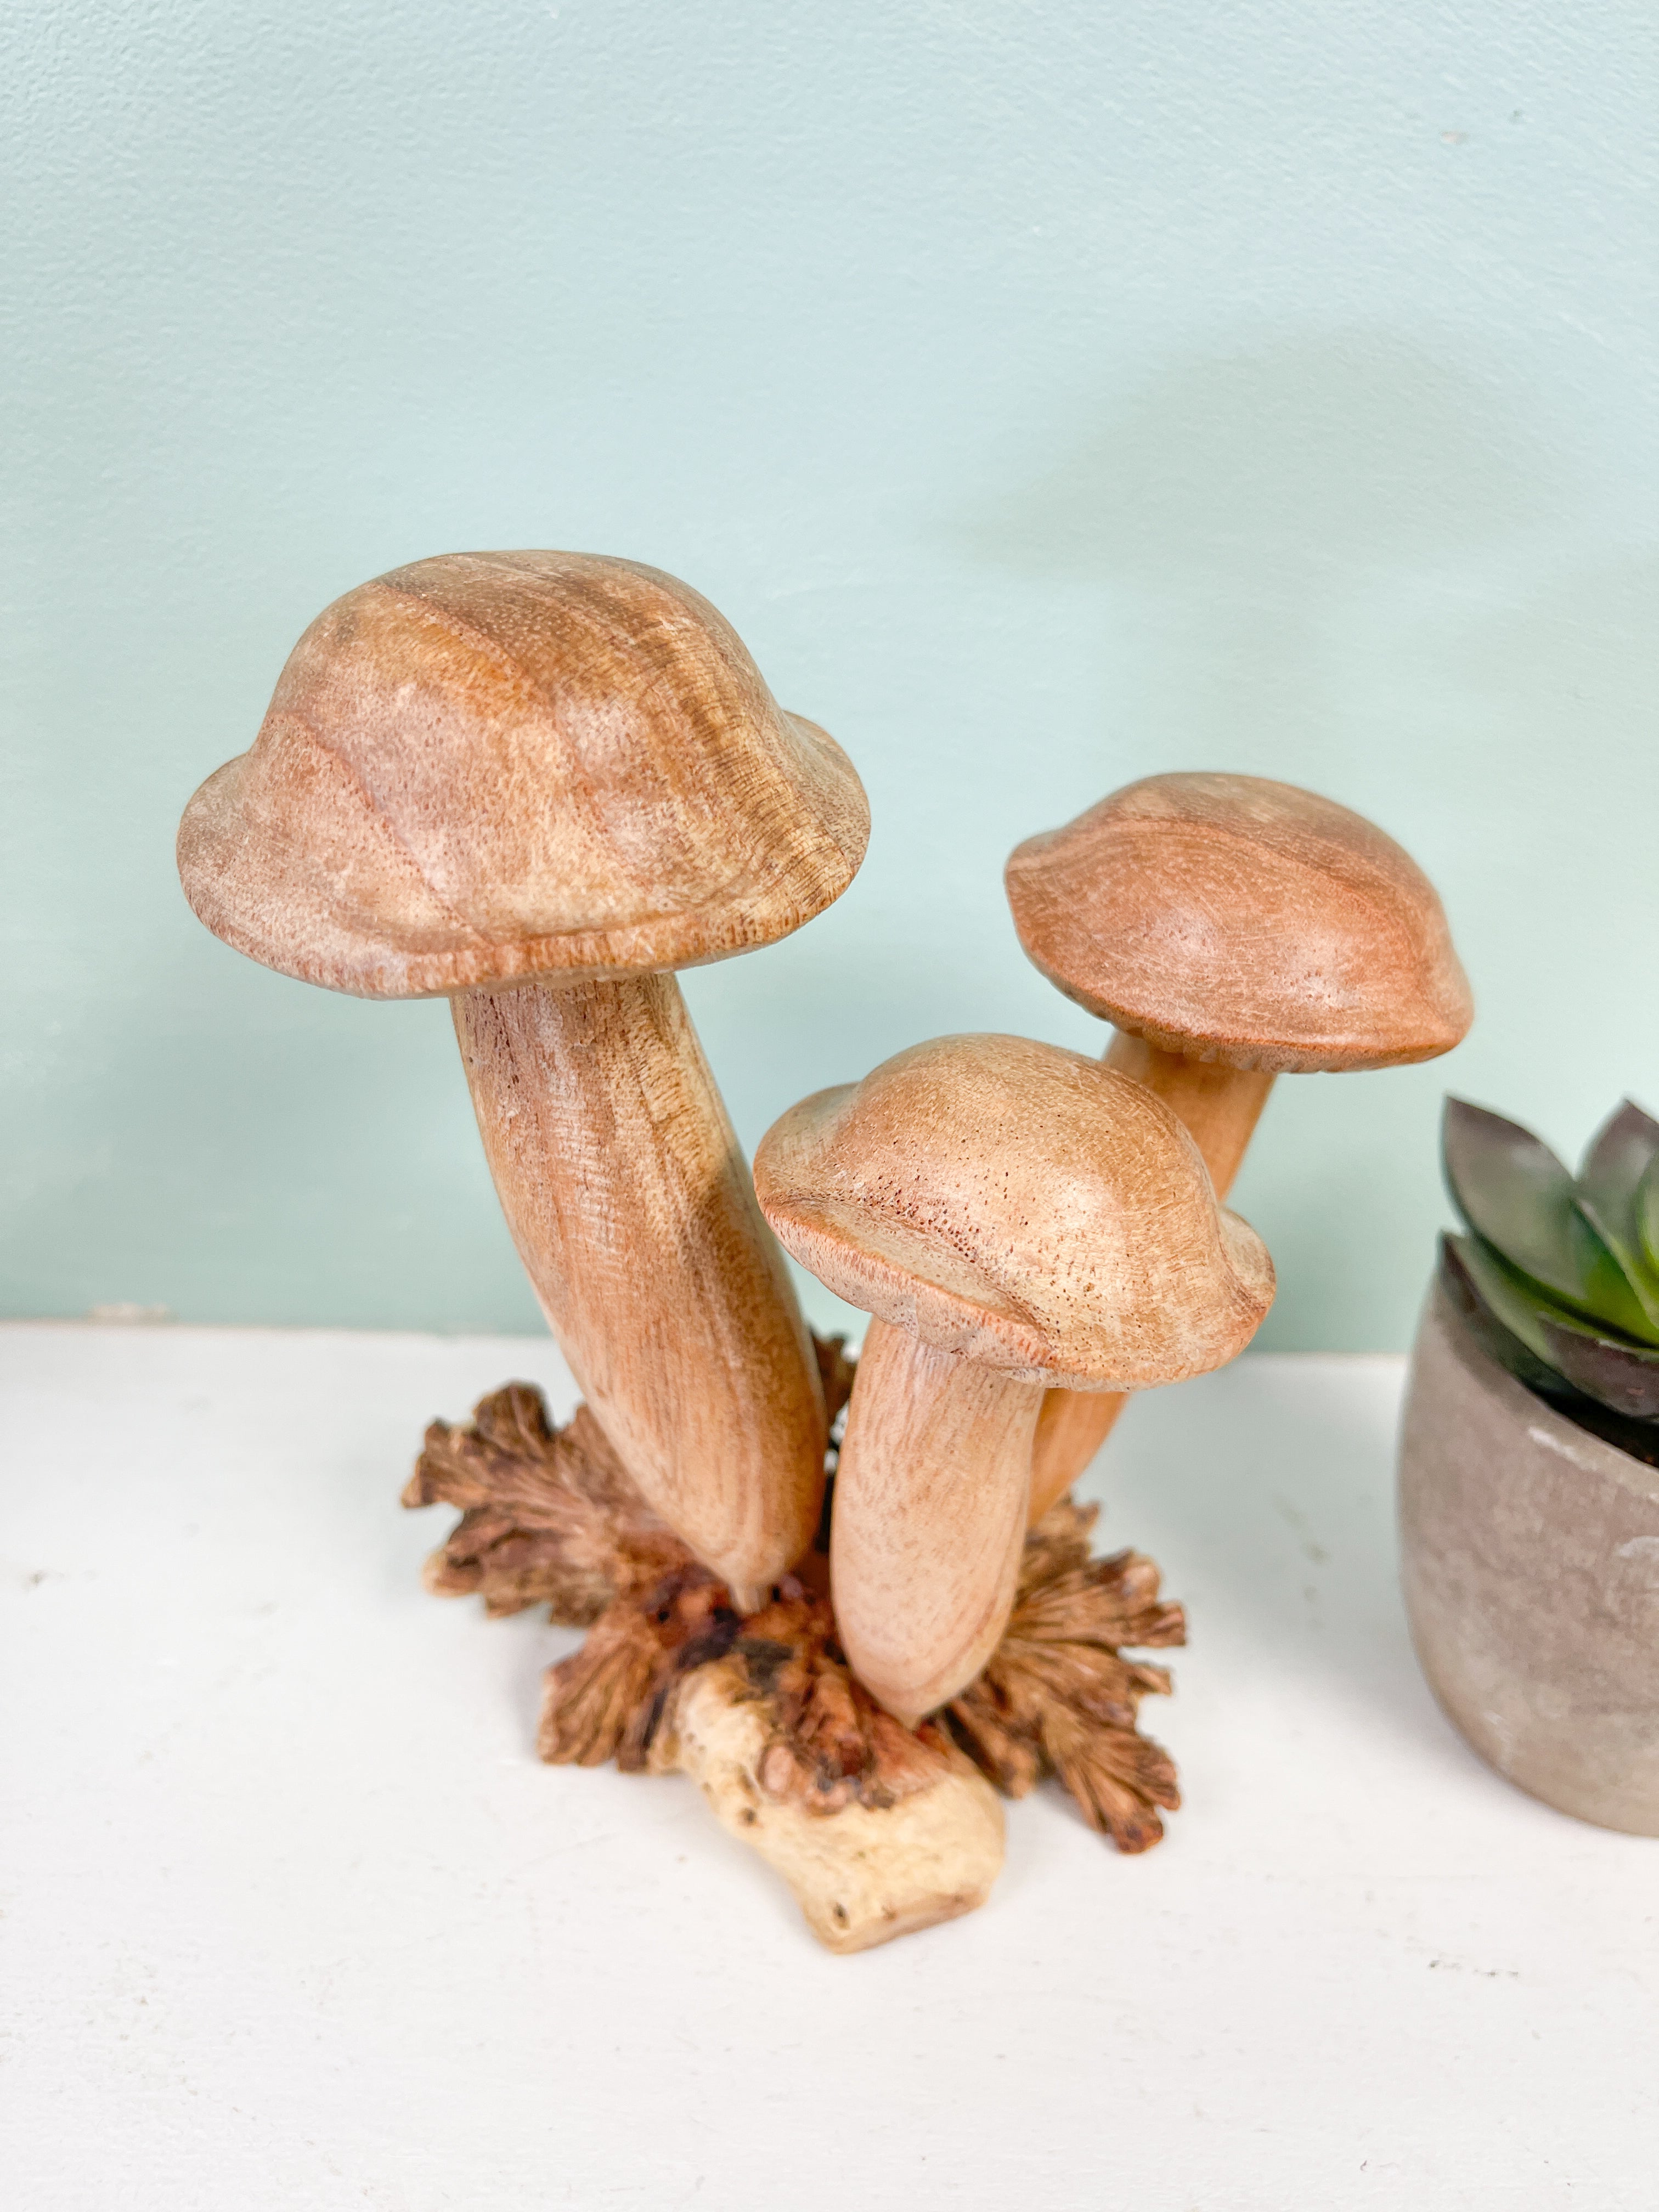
{"x":294,"y":1918}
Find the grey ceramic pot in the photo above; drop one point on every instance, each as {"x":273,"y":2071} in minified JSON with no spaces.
{"x":1530,"y":1561}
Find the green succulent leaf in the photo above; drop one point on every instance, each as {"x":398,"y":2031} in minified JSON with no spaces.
{"x":1504,"y":1345}
{"x":1514,"y":1192}
{"x":1647,"y":1215}
{"x":1621,"y":1153}
{"x":1624,"y":1376}
{"x":1517,"y":1303}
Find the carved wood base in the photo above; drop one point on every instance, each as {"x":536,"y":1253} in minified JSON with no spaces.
{"x":878,"y":1828}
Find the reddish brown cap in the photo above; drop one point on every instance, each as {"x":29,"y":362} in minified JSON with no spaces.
{"x":1023,"y":1206}
{"x":493,"y":766}
{"x":1232,"y":919}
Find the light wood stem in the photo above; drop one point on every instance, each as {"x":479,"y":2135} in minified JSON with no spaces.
{"x":1219,"y":1107}
{"x":634,"y":1213}
{"x":930,"y":1518}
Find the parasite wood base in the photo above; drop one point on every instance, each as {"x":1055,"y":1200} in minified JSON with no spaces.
{"x":878,"y":1829}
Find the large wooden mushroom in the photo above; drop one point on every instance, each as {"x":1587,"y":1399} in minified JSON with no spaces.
{"x":1232,"y":929}
{"x":1013,"y":1216}
{"x":538,"y":783}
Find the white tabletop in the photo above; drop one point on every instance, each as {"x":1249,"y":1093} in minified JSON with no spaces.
{"x":294,"y":1918}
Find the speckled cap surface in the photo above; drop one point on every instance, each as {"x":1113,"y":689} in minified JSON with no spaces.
{"x":1023,"y":1206}
{"x":1236,"y":920}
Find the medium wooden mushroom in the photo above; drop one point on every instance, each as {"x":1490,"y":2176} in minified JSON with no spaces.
{"x":1233,"y":929}
{"x":538,"y":783}
{"x":1013,"y":1216}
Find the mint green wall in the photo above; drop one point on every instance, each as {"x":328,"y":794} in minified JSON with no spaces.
{"x":1049,"y":393}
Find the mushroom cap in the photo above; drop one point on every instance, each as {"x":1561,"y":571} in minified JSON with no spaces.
{"x":491,"y":767}
{"x":1023,"y":1206}
{"x":1233,"y":919}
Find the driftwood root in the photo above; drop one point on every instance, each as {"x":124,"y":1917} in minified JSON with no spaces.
{"x":879,"y":1829}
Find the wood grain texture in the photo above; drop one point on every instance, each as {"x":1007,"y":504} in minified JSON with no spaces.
{"x":879,"y":1828}
{"x":1232,"y":928}
{"x":1027,"y":1215}
{"x":1024,"y":1205}
{"x":633,"y":1211}
{"x":491,"y":766}
{"x":864,"y":1873}
{"x":1071,"y":1429}
{"x":930,"y":1518}
{"x":1229,"y":918}
{"x":1219,"y":1106}
{"x":1060,"y":1696}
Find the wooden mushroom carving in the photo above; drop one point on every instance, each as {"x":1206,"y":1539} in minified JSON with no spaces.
{"x":1013,"y":1217}
{"x":1232,"y":929}
{"x":539,"y":783}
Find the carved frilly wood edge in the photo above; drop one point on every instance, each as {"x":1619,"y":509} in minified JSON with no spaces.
{"x":879,"y":1829}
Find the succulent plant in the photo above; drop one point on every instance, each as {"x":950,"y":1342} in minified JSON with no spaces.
{"x":1560,"y":1273}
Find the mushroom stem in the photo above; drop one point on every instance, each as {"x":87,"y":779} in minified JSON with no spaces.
{"x":1071,"y":1429}
{"x":1219,"y":1107}
{"x":929,"y":1522}
{"x":633,"y":1211}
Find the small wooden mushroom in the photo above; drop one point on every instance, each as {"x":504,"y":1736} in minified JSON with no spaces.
{"x":538,"y":783}
{"x":1013,"y":1216}
{"x":1233,"y":929}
